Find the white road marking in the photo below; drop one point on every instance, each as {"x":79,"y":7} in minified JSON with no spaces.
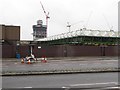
{"x":27,"y":87}
{"x":65,"y":87}
{"x":90,"y":84}
{"x":24,"y":87}
{"x":113,"y":88}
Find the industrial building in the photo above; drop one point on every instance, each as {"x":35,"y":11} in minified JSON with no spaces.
{"x":83,"y":42}
{"x":77,"y":43}
{"x":9,"y":36}
{"x":9,"y":33}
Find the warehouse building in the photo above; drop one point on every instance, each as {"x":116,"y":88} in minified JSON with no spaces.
{"x":82,"y":42}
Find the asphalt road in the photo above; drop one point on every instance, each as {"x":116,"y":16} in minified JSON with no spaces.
{"x":86,"y":80}
{"x":59,"y":65}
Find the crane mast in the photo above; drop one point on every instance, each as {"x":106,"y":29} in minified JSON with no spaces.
{"x":46,"y":14}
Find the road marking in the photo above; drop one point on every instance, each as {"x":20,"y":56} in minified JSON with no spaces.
{"x":27,"y":87}
{"x":112,"y":88}
{"x":24,"y":87}
{"x":90,"y":84}
{"x":65,"y":87}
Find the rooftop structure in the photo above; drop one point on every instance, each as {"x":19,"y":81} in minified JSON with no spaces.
{"x":82,"y":32}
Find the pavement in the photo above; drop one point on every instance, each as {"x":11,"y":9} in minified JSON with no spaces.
{"x":59,"y":65}
{"x":82,"y":58}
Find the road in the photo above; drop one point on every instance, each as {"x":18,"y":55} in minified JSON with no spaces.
{"x":59,"y":65}
{"x":85,"y":80}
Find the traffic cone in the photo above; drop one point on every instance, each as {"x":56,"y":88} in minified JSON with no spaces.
{"x":42,"y":59}
{"x":29,"y":62}
{"x":45,"y":59}
{"x":22,"y":60}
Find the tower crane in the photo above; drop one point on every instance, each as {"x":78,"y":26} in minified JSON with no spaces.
{"x":46,"y":14}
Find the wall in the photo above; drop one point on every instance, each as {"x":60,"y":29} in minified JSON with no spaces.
{"x":2,"y":32}
{"x":0,"y":51}
{"x":111,"y":51}
{"x":8,"y":51}
{"x":59,"y":51}
{"x":74,"y":51}
{"x":12,"y":33}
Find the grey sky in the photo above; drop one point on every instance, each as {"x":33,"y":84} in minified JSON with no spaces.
{"x":94,"y":14}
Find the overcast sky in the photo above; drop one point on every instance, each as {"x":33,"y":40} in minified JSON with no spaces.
{"x":92,"y":14}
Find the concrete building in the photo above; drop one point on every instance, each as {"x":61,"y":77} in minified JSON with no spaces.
{"x":39,"y":30}
{"x":9,"y":36}
{"x":9,"y":33}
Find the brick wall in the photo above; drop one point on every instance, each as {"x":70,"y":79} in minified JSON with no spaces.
{"x":59,"y":51}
